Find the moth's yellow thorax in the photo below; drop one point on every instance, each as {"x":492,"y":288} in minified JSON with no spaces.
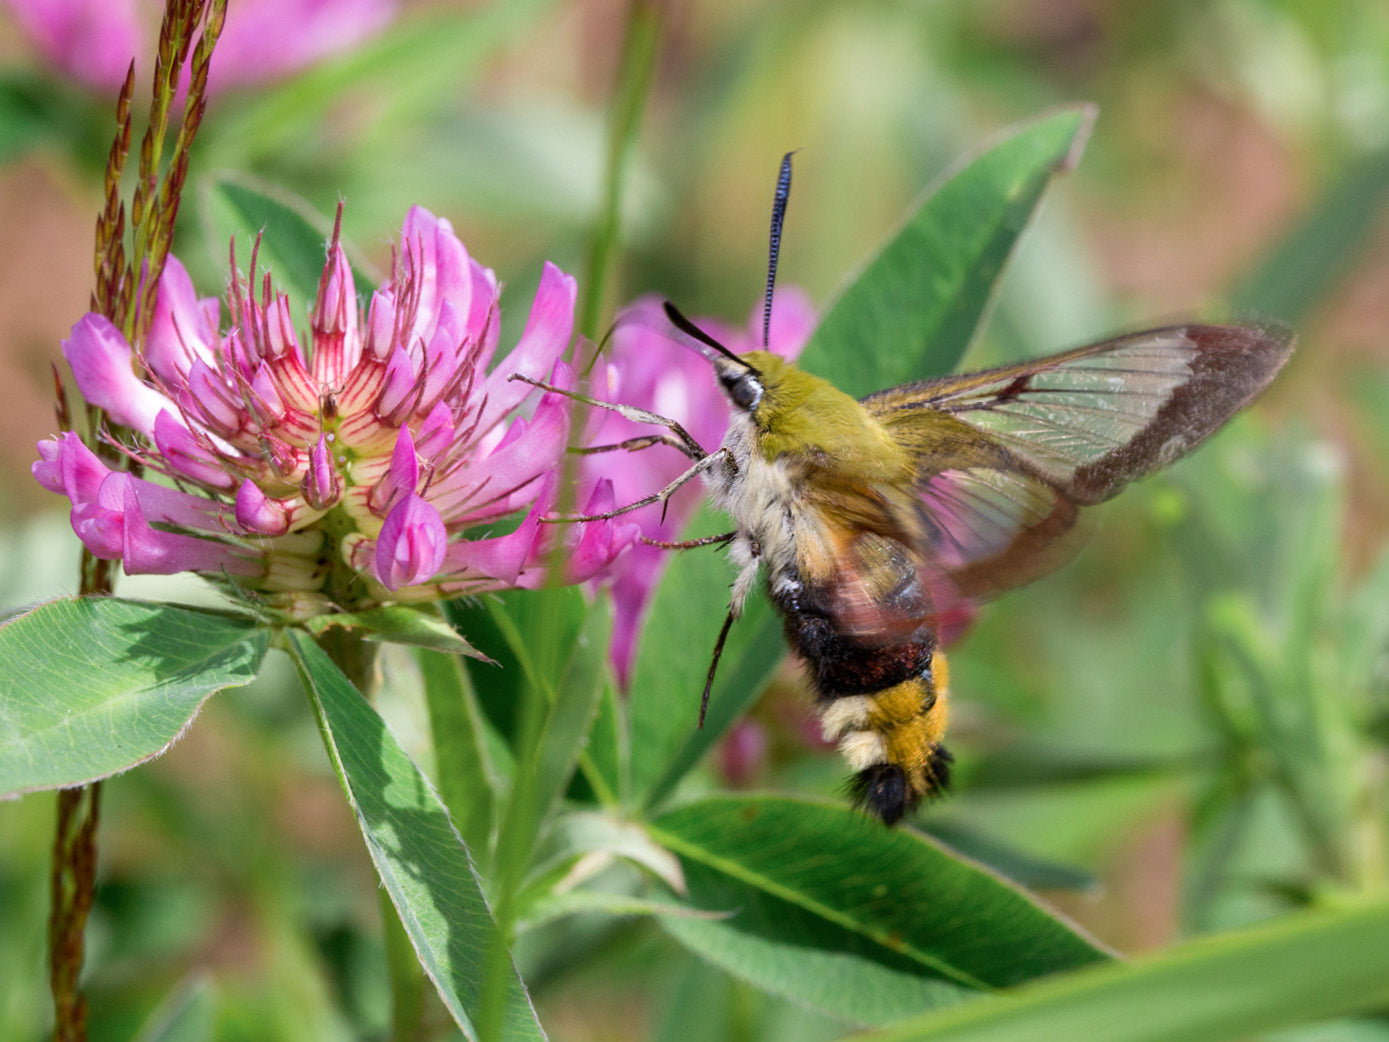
{"x":802,"y":418}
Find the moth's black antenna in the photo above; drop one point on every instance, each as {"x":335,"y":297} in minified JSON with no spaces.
{"x":680,"y":322}
{"x":783,"y":193}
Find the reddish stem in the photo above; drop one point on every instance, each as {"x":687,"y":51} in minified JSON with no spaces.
{"x":73,"y":882}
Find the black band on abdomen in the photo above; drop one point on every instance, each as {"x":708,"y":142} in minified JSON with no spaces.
{"x":843,"y":666}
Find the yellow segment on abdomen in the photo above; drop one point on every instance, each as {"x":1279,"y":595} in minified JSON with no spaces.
{"x":901,"y":725}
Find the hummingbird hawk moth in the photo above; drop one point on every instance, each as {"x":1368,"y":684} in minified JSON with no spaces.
{"x":874,"y":518}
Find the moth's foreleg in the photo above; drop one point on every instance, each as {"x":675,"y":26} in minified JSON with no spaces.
{"x":657,"y":497}
{"x":682,"y":439}
{"x":645,"y":441}
{"x":722,"y":539}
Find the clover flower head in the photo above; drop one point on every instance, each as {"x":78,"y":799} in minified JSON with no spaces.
{"x":347,"y":469}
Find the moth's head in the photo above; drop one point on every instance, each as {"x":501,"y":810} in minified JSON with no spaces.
{"x":758,"y":383}
{"x":747,"y":379}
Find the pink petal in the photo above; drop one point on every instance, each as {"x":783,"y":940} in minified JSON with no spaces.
{"x":380,"y":339}
{"x":547,"y":334}
{"x":208,"y":398}
{"x":83,"y":471}
{"x":441,"y":359}
{"x":101,"y":362}
{"x":322,"y":484}
{"x":101,"y":531}
{"x":186,"y":455}
{"x":172,"y":506}
{"x":92,"y":41}
{"x":100,"y":522}
{"x":265,"y":397}
{"x":336,"y":346}
{"x":401,"y":478}
{"x":435,"y":433}
{"x":494,"y":563}
{"x":258,"y":513}
{"x":482,"y":319}
{"x":632,"y":585}
{"x":436,"y":266}
{"x":528,"y":452}
{"x":184,"y":327}
{"x":48,"y":468}
{"x":598,"y":543}
{"x":651,"y":371}
{"x":281,"y":338}
{"x":148,"y":551}
{"x":411,"y":545}
{"x":398,"y":397}
{"x":103,"y":511}
{"x":267,"y":39}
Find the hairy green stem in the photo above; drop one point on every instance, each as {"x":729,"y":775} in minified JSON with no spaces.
{"x":636,"y":67}
{"x":514,"y":838}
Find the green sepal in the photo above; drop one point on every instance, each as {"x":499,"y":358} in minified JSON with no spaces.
{"x":400,"y":624}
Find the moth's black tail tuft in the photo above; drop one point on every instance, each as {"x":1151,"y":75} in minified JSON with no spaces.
{"x":884,"y":790}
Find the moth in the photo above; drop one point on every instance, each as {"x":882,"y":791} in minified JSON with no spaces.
{"x":875,"y":519}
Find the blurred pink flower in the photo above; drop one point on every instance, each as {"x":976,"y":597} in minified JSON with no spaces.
{"x":347,"y":474}
{"x":742,"y":753}
{"x":650,"y":370}
{"x":93,"y":41}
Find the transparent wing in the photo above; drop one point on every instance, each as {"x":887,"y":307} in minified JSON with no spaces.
{"x":1006,"y":457}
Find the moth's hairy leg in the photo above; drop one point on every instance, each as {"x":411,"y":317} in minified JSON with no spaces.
{"x":657,"y":497}
{"x":682,"y":439}
{"x":644,"y":441}
{"x":722,"y":539}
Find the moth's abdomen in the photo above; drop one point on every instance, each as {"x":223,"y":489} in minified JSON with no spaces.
{"x":882,"y":689}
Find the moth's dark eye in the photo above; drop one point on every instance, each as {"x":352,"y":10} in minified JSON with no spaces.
{"x":743,"y":388}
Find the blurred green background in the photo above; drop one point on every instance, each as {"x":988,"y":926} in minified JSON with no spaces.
{"x":1182,"y":732}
